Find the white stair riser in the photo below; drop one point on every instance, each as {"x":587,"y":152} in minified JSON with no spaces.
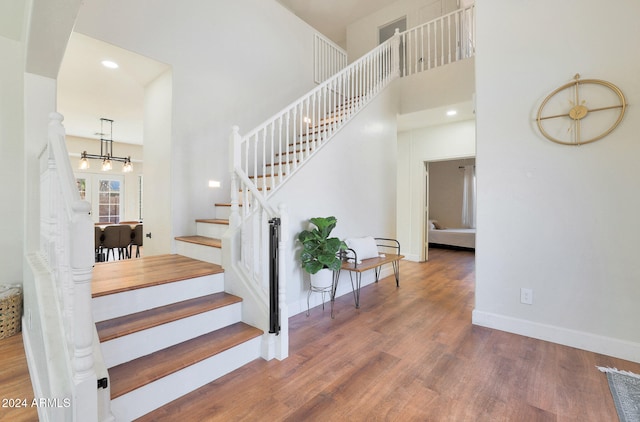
{"x":211,"y":229}
{"x":223,"y":212}
{"x":199,"y":252}
{"x":150,"y":397}
{"x":132,"y":301}
{"x":132,"y":346}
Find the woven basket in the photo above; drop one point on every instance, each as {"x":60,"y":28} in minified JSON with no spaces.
{"x":10,"y":310}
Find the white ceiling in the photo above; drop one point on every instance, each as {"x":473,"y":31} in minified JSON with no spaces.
{"x":88,"y":91}
{"x":436,"y":116}
{"x":331,"y":17}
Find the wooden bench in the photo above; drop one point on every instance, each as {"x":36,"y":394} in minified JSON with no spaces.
{"x":355,"y":267}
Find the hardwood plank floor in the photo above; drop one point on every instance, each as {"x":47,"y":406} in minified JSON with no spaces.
{"x":409,"y":354}
{"x":16,"y":393}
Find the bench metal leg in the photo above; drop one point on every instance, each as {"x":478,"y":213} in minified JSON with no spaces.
{"x":356,"y":287}
{"x":396,"y":272}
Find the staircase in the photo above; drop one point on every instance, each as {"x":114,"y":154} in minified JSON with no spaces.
{"x":169,"y":324}
{"x":168,"y":332}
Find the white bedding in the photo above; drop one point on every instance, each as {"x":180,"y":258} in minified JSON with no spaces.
{"x":465,"y":238}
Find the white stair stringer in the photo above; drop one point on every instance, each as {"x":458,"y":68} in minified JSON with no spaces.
{"x":126,"y":348}
{"x":160,"y":392}
{"x":132,"y":301}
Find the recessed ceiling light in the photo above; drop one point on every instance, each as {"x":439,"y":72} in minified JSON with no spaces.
{"x":451,"y":113}
{"x":110,"y":64}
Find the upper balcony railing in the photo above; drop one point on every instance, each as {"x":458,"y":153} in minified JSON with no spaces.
{"x":328,"y":58}
{"x":441,"y":41}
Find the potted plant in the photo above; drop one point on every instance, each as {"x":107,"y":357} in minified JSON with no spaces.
{"x":319,"y":251}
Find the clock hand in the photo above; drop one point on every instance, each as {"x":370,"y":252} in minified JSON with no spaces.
{"x":554,"y":116}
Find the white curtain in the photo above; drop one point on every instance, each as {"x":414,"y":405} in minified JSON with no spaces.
{"x":469,"y":197}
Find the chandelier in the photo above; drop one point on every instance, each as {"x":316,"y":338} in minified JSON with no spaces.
{"x":106,"y":152}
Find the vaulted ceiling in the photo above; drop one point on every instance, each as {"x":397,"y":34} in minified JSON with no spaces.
{"x":331,"y":17}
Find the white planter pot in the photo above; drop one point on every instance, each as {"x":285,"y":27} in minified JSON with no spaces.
{"x":323,"y":279}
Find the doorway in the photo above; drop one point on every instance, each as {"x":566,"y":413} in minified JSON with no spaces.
{"x":449,"y":218}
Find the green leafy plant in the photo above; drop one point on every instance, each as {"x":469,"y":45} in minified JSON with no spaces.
{"x":319,"y":250}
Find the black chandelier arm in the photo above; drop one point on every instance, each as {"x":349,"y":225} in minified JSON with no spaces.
{"x":105,"y":157}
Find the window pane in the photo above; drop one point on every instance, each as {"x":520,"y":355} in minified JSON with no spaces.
{"x":109,"y":201}
{"x":82,"y":187}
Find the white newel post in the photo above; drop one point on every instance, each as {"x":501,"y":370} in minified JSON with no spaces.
{"x":282,"y":350}
{"x":395,"y":46}
{"x":82,"y":259}
{"x":72,"y":265}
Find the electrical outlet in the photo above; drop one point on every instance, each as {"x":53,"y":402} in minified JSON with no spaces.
{"x":526,"y":296}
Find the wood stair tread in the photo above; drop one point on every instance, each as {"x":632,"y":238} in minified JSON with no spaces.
{"x":147,"y":369}
{"x":132,"y":323}
{"x":132,"y":274}
{"x":213,"y":221}
{"x":201,"y":240}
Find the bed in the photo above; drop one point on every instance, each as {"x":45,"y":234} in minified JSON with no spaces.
{"x":455,"y":237}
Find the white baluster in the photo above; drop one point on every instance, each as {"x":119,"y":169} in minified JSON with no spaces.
{"x":429,"y":46}
{"x":441,"y":42}
{"x":283,"y":345}
{"x":269,"y":145}
{"x":280,"y":151}
{"x":235,"y":142}
{"x":264,"y":161}
{"x":313,"y":120}
{"x":307,"y":126}
{"x":449,"y":38}
{"x":396,"y":53}
{"x":458,"y":36}
{"x":422,"y":48}
{"x":264,"y":250}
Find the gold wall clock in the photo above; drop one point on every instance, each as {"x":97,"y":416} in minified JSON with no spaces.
{"x":581,"y":111}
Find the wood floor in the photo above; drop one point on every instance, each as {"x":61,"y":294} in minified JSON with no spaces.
{"x":409,"y":354}
{"x":16,"y":393}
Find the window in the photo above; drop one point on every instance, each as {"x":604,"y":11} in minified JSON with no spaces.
{"x":106,"y":195}
{"x":82,"y":187}
{"x":109,"y":201}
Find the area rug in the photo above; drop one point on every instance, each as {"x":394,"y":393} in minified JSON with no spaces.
{"x":625,"y":389}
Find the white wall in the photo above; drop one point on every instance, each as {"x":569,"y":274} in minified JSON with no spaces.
{"x":12,"y":159}
{"x":233,"y":63}
{"x":444,"y":85}
{"x":362,"y":35}
{"x":434,"y":143}
{"x":560,"y":220}
{"x":351,"y":178}
{"x":159,"y":182}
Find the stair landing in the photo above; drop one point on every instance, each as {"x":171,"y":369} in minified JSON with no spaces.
{"x":132,"y":274}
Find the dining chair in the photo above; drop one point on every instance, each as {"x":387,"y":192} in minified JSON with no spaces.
{"x":117,"y":237}
{"x":136,"y":239}
{"x":99,"y":238}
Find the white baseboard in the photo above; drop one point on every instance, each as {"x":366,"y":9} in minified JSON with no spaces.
{"x":579,"y":339}
{"x":412,"y":257}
